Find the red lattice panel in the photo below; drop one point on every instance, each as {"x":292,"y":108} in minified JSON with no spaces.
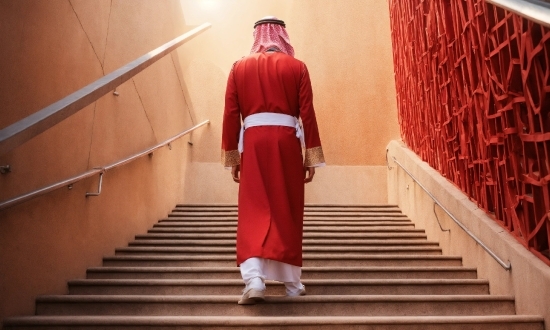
{"x":473,"y":93}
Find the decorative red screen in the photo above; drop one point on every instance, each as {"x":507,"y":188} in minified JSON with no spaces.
{"x":473,"y":94}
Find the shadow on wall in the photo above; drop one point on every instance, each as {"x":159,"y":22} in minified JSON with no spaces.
{"x":49,"y":50}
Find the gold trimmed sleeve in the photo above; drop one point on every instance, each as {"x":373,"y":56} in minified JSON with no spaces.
{"x":231,"y":158}
{"x":314,"y":156}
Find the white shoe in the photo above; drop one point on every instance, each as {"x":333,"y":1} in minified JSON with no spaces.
{"x":301,"y":292}
{"x":252,"y":296}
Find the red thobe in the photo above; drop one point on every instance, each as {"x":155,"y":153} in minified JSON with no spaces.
{"x":271,"y":191}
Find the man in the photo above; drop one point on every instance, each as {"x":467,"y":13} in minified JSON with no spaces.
{"x":269,"y":90}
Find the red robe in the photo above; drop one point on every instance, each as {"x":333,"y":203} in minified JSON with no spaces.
{"x":271,"y":192}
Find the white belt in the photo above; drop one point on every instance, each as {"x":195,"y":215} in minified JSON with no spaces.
{"x":271,"y":119}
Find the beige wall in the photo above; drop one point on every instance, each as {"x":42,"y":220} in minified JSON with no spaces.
{"x":347,"y":48}
{"x":52,"y":48}
{"x":528,"y":280}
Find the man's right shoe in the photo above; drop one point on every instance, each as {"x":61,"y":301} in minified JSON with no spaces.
{"x":252,"y":296}
{"x":302,"y":292}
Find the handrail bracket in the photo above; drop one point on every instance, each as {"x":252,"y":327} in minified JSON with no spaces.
{"x":98,"y":186}
{"x":5,"y":169}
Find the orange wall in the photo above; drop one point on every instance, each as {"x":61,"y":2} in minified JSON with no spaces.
{"x":50,"y":49}
{"x":347,"y":48}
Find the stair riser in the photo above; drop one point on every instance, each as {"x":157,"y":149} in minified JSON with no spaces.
{"x":364,"y":308}
{"x":309,"y":243}
{"x":307,"y":213}
{"x":320,"y":326}
{"x":310,"y":213}
{"x":435,"y":289}
{"x":305,"y":275}
{"x":307,"y":226}
{"x":167,"y":236}
{"x":329,"y":251}
{"x":307,"y":231}
{"x":307,"y":220}
{"x":306,"y":263}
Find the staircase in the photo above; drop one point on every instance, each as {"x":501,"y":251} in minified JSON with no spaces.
{"x":365,"y":267}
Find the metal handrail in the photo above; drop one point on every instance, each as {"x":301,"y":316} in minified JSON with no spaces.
{"x":98,"y":170}
{"x":29,"y":127}
{"x":534,"y":10}
{"x":504,"y":265}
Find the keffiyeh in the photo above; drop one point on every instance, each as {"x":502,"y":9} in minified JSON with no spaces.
{"x":268,"y":35}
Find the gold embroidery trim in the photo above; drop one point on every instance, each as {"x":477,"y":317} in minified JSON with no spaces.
{"x":314,"y":156}
{"x":231,"y":158}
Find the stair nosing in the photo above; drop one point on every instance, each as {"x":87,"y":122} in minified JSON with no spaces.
{"x":237,"y":282}
{"x":266,"y":320}
{"x":373,"y":269}
{"x":272,"y":299}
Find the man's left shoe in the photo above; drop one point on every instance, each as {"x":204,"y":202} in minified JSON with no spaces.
{"x":252,"y":296}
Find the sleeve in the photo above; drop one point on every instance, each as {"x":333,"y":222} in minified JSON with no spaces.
{"x":231,"y":124}
{"x":314,"y":152}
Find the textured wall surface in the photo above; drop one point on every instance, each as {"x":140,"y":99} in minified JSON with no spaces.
{"x":473,"y":85}
{"x":528,"y":281}
{"x":347,"y":48}
{"x":49,"y":50}
{"x":52,"y":48}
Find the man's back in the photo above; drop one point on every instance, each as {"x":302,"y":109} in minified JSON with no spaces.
{"x":268,"y":82}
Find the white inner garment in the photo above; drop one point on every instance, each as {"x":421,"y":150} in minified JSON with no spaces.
{"x":256,"y":270}
{"x":270,"y":270}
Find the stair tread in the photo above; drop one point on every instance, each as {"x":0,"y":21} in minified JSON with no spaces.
{"x":306,"y":224}
{"x":304,"y":269}
{"x":357,"y":263}
{"x":306,"y":235}
{"x":305,"y":248}
{"x":306,"y":205}
{"x":307,"y":220}
{"x":306,"y":242}
{"x":307,"y":214}
{"x":272,"y":299}
{"x":305,"y":257}
{"x":263,"y":320}
{"x":401,"y":229}
{"x":192,"y":282}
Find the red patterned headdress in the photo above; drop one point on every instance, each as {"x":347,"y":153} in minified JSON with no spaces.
{"x":270,"y":32}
